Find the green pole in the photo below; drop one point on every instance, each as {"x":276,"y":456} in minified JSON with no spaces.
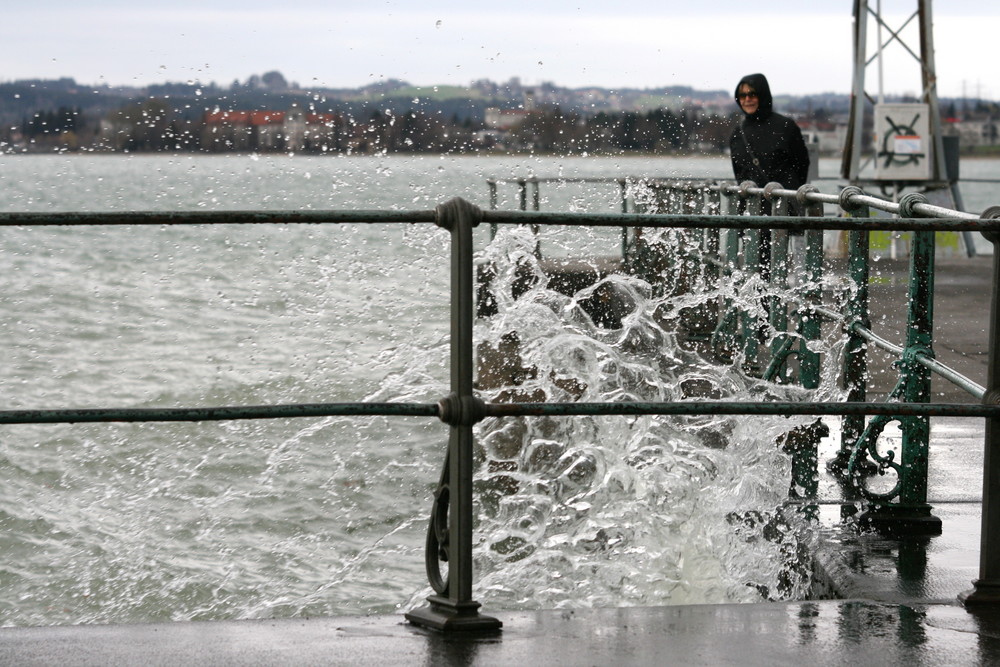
{"x":752,"y":264}
{"x":809,"y":323}
{"x":855,"y":354}
{"x":987,"y":585}
{"x":911,"y":514}
{"x":777,"y":310}
{"x":452,"y":608}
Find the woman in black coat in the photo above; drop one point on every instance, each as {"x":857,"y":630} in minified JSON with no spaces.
{"x":766,"y":147}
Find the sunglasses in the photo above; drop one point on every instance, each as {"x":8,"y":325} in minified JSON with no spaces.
{"x":744,"y":96}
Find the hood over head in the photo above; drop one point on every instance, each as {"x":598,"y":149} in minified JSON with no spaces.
{"x":759,"y":83}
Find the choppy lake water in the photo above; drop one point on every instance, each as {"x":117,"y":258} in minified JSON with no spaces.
{"x":133,"y":523}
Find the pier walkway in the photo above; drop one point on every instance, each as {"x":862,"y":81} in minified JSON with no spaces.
{"x":898,"y":597}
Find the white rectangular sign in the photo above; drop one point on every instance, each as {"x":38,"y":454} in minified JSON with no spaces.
{"x":902,"y":142}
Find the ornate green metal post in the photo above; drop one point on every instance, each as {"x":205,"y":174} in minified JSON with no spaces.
{"x":752,"y":251}
{"x":449,"y":536}
{"x":724,"y":338}
{"x":803,"y":442}
{"x":809,"y":324}
{"x":911,"y":514}
{"x":711,"y":240}
{"x":855,"y":354}
{"x":623,"y":196}
{"x":493,"y":206}
{"x":776,"y":308}
{"x":692,"y":240}
{"x":987,"y":586}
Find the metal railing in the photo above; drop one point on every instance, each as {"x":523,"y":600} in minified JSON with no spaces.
{"x":765,"y":252}
{"x":903,"y":507}
{"x":449,"y":537}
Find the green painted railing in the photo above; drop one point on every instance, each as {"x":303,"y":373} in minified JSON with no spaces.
{"x":449,"y":540}
{"x":722,"y":247}
{"x":903,"y":507}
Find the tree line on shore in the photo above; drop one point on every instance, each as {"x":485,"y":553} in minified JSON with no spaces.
{"x":153,"y":125}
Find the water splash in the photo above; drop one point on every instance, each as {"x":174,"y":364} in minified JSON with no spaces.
{"x":611,"y":511}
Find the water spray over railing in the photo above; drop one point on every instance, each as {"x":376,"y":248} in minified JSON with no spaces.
{"x":765,"y":251}
{"x":449,"y":540}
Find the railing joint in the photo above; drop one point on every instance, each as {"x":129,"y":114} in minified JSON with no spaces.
{"x":446,"y":214}
{"x":458,"y":410}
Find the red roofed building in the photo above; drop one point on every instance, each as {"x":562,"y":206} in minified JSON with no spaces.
{"x":291,"y":131}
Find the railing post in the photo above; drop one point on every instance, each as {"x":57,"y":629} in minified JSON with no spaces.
{"x":711,"y":240}
{"x":724,"y":339}
{"x":855,"y":353}
{"x":777,"y":311}
{"x":911,"y":514}
{"x":987,"y":586}
{"x":809,"y":323}
{"x":689,"y":239}
{"x":753,"y":262}
{"x":493,"y":206}
{"x":452,"y":607}
{"x":536,"y":205}
{"x":623,"y":195}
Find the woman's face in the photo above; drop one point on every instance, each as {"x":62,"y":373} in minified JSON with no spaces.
{"x":748,"y":99}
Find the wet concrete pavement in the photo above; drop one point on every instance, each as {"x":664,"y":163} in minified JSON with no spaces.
{"x":850,"y":632}
{"x":898,"y":596}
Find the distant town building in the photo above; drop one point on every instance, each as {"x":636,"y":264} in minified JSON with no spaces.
{"x":828,"y":137}
{"x":503,"y":119}
{"x":291,"y":131}
{"x":975,"y":132}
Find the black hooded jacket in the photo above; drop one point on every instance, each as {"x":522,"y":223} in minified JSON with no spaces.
{"x":774,"y":140}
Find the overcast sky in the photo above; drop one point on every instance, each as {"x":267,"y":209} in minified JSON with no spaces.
{"x":802,"y":46}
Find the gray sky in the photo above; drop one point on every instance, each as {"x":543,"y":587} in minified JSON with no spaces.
{"x":802,"y":46}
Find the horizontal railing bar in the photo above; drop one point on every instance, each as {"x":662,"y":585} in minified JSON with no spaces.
{"x":697,"y":408}
{"x":930,"y":363}
{"x":858,"y":198}
{"x":956,"y":222}
{"x":558,"y":179}
{"x":830,"y":315}
{"x":232,"y":413}
{"x":876,"y":340}
{"x":738,"y":221}
{"x":843,"y":502}
{"x":950,"y":374}
{"x":226,"y":413}
{"x":935,"y":211}
{"x":211,"y":217}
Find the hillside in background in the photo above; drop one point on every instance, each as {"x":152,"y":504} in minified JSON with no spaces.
{"x":19,"y":100}
{"x":267,"y":113}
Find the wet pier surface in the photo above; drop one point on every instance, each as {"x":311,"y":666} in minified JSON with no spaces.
{"x":898,"y":596}
{"x":849,"y":632}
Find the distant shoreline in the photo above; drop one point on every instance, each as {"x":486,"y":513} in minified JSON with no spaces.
{"x":975,"y":156}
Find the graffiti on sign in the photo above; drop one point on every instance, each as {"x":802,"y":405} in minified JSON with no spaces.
{"x":902,"y":145}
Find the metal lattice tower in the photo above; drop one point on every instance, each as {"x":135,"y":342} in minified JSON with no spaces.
{"x":862,"y":102}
